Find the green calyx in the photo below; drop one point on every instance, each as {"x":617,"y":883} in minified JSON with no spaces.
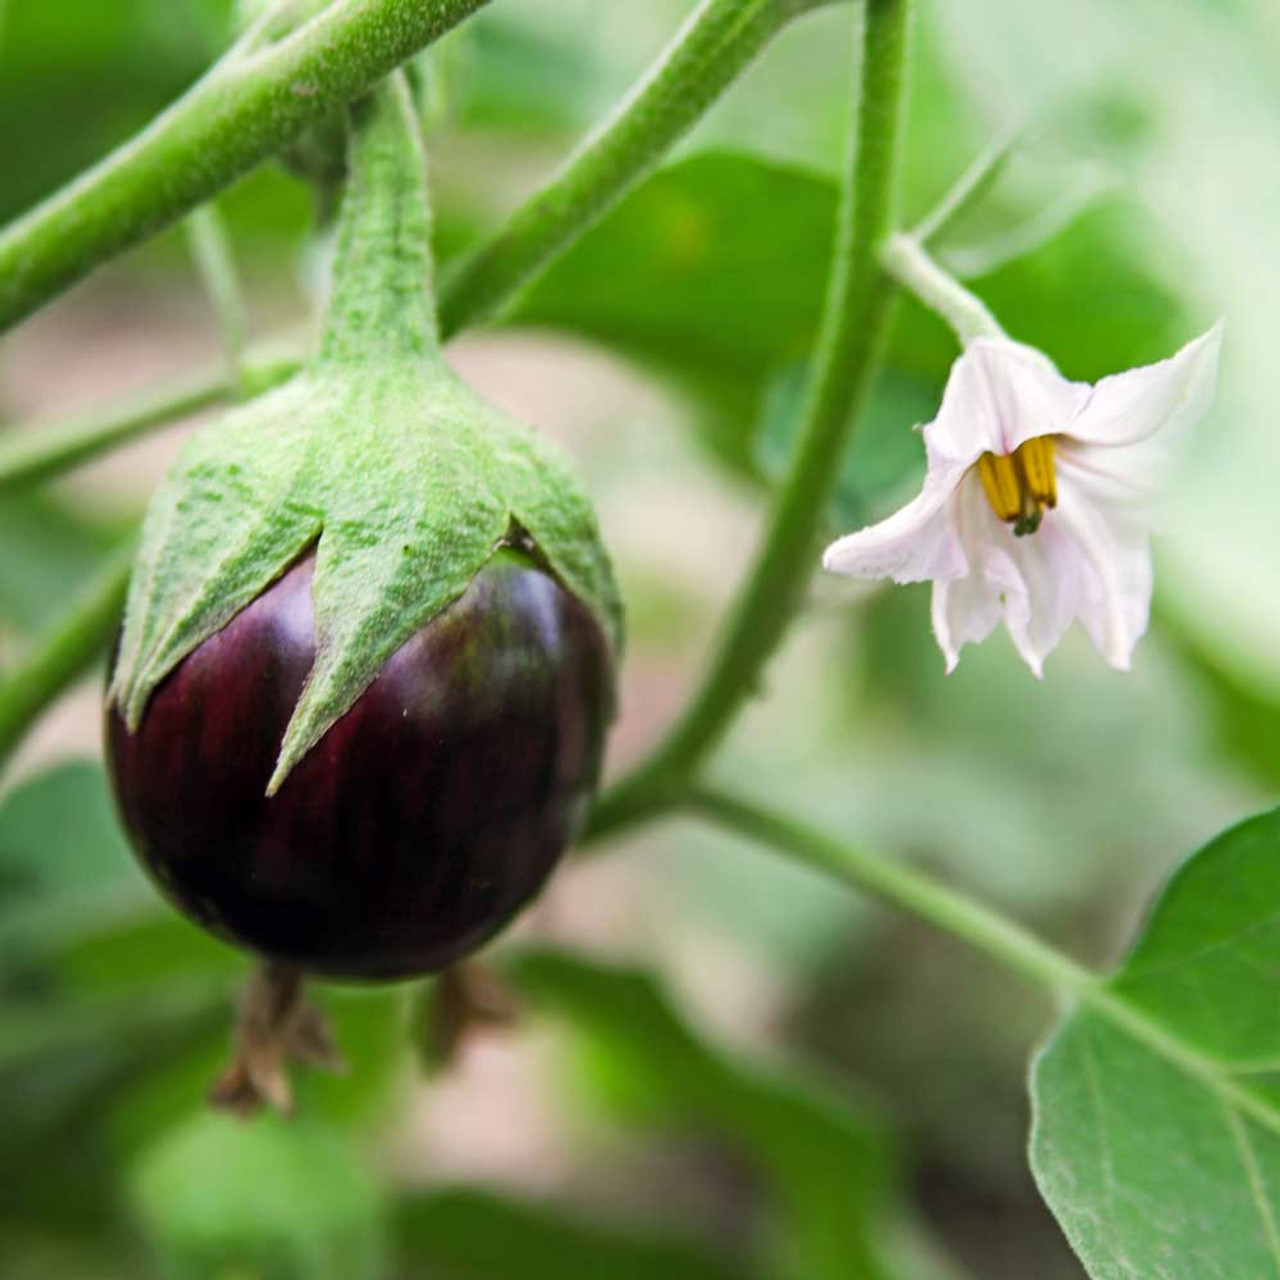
{"x":403,"y":481}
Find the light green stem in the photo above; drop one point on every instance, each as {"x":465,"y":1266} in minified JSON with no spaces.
{"x":1003,"y":940}
{"x":245,"y":109}
{"x":211,"y":250}
{"x":30,"y":454}
{"x":383,"y":301}
{"x":940,"y":291}
{"x":63,"y":652}
{"x":715,"y":45}
{"x":849,"y":352}
{"x":903,"y":887}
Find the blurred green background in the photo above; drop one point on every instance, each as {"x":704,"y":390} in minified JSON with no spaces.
{"x":723,"y":1066}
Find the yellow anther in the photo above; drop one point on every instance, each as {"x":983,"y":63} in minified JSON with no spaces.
{"x":1036,"y":459}
{"x":1022,"y":484}
{"x":1002,"y":484}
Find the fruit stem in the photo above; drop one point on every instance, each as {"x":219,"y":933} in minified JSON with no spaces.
{"x":383,"y":304}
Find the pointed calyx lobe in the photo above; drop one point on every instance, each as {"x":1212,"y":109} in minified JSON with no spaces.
{"x":377,"y":455}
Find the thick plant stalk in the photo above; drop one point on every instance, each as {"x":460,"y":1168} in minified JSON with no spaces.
{"x":849,"y":352}
{"x":245,"y":109}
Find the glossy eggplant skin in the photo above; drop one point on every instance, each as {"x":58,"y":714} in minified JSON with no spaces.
{"x":419,"y":825}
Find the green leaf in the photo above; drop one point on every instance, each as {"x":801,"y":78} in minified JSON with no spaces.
{"x":824,"y":1162}
{"x":277,"y":1199}
{"x":883,"y":454}
{"x":84,"y":76}
{"x":475,"y":1234}
{"x":1157,"y":1130}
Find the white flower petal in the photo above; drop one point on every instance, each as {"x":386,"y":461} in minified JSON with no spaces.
{"x":1000,"y":393}
{"x":1131,"y":406}
{"x":965,"y":610}
{"x":914,"y":544}
{"x":1057,"y":585}
{"x":1114,"y":542}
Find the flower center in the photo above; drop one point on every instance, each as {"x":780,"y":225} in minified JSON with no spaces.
{"x":1021,"y":484}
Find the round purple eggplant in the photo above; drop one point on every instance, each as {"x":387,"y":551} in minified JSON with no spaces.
{"x":419,"y":825}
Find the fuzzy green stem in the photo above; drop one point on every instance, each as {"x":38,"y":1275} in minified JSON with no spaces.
{"x":31,"y":454}
{"x":941,"y":292}
{"x":245,"y":109}
{"x":849,"y":352}
{"x":716,"y":44}
{"x":215,"y":263}
{"x":900,"y":886}
{"x":383,"y":302}
{"x":64,"y":651}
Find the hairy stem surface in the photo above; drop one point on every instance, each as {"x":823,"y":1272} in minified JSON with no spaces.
{"x":848,"y":354}
{"x":247,"y":107}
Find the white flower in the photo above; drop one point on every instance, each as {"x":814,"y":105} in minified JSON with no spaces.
{"x":1036,"y":505}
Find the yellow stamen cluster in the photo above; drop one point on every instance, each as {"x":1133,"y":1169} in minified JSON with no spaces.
{"x":1021,"y":485}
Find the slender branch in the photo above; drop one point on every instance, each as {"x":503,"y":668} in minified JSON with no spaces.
{"x":30,"y":454}
{"x":983,"y":928}
{"x":965,"y":312}
{"x":849,"y":352}
{"x":64,"y":651}
{"x":969,"y":188}
{"x":715,"y":45}
{"x":240,"y":113}
{"x":901,"y":886}
{"x":215,"y":263}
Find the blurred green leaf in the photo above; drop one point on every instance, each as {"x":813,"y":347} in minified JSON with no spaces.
{"x":1245,"y":712}
{"x":46,"y":552}
{"x":1157,"y":1134}
{"x":883,"y":454}
{"x":273,"y":1200}
{"x":824,"y":1162}
{"x":474,"y":1234}
{"x":58,"y":832}
{"x":79,"y":76}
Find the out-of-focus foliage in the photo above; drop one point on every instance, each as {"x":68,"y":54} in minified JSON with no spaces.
{"x":476,"y":1233}
{"x":824,"y":1167}
{"x":77,"y":76}
{"x":280,"y":1200}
